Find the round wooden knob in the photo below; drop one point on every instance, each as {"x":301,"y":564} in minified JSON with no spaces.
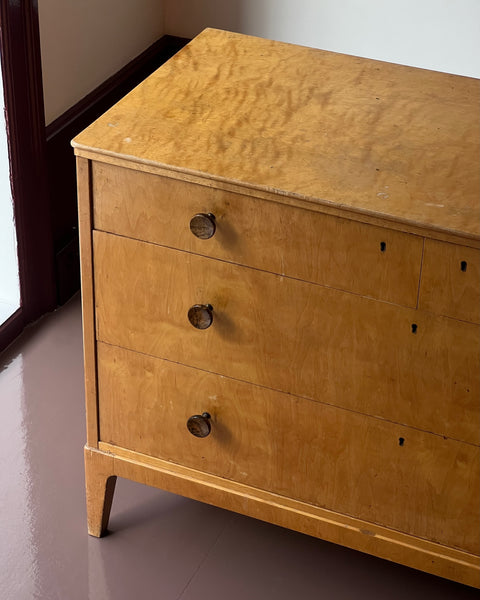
{"x":201,"y":316}
{"x":199,"y":425}
{"x":203,"y":225}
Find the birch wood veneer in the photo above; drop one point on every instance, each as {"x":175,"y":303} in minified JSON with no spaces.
{"x":283,"y":243}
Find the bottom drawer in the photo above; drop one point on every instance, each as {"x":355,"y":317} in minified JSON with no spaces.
{"x":399,"y":477}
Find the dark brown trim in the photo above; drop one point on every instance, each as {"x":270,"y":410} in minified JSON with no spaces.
{"x":10,"y":329}
{"x":21,"y":70}
{"x":61,"y":162}
{"x":113,"y":89}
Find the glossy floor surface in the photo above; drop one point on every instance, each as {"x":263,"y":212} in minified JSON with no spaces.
{"x":161,"y":546}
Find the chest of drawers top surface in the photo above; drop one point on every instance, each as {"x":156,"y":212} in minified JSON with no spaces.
{"x":369,"y":137}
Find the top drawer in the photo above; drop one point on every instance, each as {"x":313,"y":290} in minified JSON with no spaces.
{"x":451,"y":281}
{"x":331,"y":251}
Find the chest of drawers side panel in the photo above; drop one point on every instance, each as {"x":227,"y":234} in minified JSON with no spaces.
{"x":85,"y":204}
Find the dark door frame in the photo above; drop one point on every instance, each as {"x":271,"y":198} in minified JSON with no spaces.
{"x":22,"y":81}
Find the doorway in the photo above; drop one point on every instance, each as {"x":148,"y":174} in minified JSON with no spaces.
{"x":24,"y":135}
{"x":9,"y":278}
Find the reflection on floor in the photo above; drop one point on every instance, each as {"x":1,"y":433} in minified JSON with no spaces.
{"x":161,"y":546}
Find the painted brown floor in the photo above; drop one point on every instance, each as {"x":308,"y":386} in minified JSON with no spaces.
{"x":161,"y":546}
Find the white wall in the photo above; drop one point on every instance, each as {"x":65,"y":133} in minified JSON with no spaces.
{"x":443,"y":35}
{"x":83,"y":42}
{"x":9,"y":278}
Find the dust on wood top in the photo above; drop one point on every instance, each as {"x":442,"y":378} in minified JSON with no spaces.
{"x":384,"y":139}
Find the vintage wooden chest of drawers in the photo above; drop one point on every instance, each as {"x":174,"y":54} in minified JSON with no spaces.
{"x":279,"y":249}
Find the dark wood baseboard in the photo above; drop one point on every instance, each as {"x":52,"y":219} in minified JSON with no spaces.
{"x":113,"y":89}
{"x":11,"y":329}
{"x":61,"y":161}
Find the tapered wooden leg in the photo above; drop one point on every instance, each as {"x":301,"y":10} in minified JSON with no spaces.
{"x":100,"y":486}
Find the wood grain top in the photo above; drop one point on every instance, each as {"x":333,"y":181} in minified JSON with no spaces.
{"x":386,"y":140}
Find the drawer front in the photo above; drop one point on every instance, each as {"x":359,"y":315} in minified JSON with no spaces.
{"x":303,"y":244}
{"x":373,"y":357}
{"x":384,"y":473}
{"x":451,"y":281}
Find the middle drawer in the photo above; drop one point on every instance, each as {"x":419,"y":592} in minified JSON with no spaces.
{"x":338,"y":348}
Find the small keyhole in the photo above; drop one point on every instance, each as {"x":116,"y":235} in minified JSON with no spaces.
{"x":414,"y":328}
{"x":463,"y":265}
{"x":383,"y":246}
{"x":401,"y":441}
